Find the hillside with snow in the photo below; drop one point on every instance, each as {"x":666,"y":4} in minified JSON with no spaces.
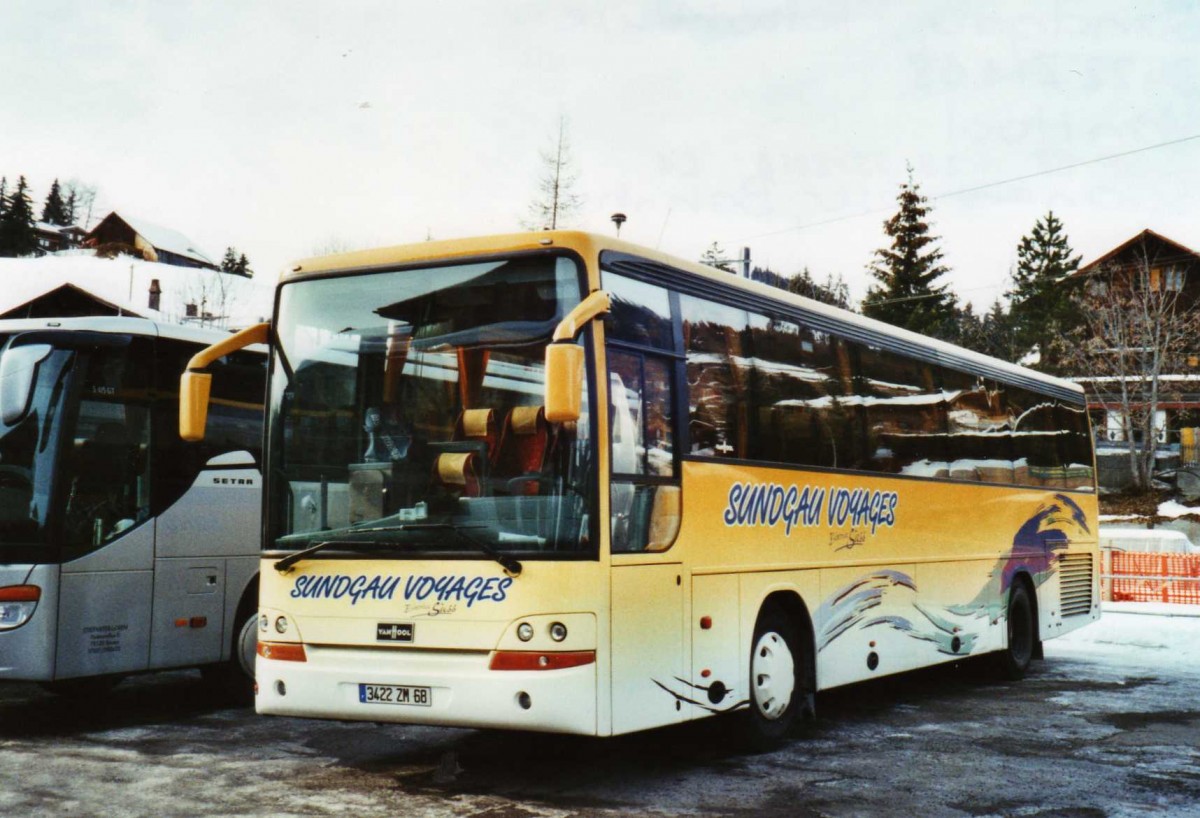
{"x":125,"y":284}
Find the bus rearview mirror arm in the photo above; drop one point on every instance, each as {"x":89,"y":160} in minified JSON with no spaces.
{"x":564,"y":359}
{"x":195,"y":383}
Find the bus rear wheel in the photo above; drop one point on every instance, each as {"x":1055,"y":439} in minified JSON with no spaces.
{"x":775,"y":690}
{"x":1013,"y":662}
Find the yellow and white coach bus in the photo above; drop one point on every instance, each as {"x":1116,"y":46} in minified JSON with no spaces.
{"x":557,"y":482}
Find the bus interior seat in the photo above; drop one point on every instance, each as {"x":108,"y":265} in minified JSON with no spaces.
{"x":456,"y":472}
{"x":478,"y":425}
{"x":524,"y":443}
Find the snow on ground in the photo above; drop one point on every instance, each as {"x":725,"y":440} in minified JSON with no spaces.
{"x":1150,"y":540}
{"x":1144,"y":635}
{"x":1173,"y":509}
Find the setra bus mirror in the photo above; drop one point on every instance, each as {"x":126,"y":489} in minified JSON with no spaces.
{"x":564,"y":382}
{"x":18,"y":369}
{"x":194,"y":389}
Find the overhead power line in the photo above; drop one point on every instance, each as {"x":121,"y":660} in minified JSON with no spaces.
{"x":976,"y":188}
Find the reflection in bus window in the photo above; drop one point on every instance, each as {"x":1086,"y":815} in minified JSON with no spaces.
{"x":716,"y":342}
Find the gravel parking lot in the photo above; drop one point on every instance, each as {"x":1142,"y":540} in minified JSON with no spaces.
{"x":1109,"y":725}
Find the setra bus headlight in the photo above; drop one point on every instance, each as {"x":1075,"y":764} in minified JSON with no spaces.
{"x":17,"y":603}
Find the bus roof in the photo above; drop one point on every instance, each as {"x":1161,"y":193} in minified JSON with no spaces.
{"x":116,"y":325}
{"x":590,"y":245}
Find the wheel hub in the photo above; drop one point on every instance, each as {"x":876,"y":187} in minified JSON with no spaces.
{"x":772,"y":675}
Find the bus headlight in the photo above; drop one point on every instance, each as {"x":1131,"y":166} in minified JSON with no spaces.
{"x":524,"y":631}
{"x":17,"y":603}
{"x":281,"y":624}
{"x":558,"y":631}
{"x":263,"y":623}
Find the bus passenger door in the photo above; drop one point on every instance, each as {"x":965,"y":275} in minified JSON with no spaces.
{"x":106,"y":531}
{"x":647,"y":644}
{"x":648,"y":597}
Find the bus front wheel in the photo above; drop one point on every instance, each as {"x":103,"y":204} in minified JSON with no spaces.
{"x":1014,"y":660}
{"x":775,"y":695}
{"x":235,"y":678}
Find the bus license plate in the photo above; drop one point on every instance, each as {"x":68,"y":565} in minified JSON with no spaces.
{"x":395,"y":694}
{"x":420,"y":697}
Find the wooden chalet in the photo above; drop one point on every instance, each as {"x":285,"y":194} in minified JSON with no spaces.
{"x":146,"y":240}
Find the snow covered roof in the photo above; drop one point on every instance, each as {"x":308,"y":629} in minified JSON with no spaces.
{"x":124,"y":283}
{"x":164,"y":238}
{"x":50,"y":227}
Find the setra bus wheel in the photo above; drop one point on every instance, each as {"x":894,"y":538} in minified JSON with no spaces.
{"x":235,"y":678}
{"x":1014,"y":660}
{"x":774,"y":691}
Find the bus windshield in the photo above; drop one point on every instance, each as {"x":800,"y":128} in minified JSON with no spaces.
{"x":28,"y":446}
{"x":406,"y":414}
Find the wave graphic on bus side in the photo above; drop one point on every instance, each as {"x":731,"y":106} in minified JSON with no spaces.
{"x":1035,"y":551}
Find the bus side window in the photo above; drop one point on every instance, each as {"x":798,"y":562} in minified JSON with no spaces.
{"x":108,"y":469}
{"x":717,"y":345}
{"x":644,"y":498}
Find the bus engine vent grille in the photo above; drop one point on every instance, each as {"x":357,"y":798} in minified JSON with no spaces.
{"x":1075,"y":583}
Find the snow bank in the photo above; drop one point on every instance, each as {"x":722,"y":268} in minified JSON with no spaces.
{"x":1144,"y":636}
{"x":1152,"y":540}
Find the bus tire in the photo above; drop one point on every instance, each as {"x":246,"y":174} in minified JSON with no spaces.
{"x":235,"y":678}
{"x":1013,"y":661}
{"x":775,"y":694}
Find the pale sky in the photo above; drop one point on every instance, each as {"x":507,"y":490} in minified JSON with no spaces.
{"x":283,"y":128}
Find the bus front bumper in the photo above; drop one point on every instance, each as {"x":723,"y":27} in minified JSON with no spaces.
{"x":460,"y":689}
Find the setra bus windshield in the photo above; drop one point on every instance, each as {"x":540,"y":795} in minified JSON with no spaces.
{"x":406,"y":415}
{"x":37,"y":376}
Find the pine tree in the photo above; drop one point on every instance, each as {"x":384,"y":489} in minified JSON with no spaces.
{"x":715,"y":256}
{"x":1000,"y":334}
{"x":1043,"y":310}
{"x":242,"y":267}
{"x":17,"y":233}
{"x":70,"y":207}
{"x":54,"y":211}
{"x":834,"y":291}
{"x":229,"y":261}
{"x":907,"y":295}
{"x":3,"y":196}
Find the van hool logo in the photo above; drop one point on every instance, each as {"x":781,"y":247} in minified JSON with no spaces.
{"x":394,"y":632}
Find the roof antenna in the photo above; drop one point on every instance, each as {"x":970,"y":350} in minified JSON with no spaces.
{"x":618,"y":219}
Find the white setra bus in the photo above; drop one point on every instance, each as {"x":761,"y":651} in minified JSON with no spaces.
{"x":123,"y":549}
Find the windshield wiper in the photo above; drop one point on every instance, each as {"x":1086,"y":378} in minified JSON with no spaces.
{"x":511,"y":566}
{"x":291,"y":559}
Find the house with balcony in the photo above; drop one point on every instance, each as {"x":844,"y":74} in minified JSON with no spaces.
{"x":1171,"y":271}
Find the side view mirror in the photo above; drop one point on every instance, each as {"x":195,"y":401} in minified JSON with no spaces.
{"x":564,"y":382}
{"x":18,"y":369}
{"x":194,"y":389}
{"x":195,"y":384}
{"x":564,"y":360}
